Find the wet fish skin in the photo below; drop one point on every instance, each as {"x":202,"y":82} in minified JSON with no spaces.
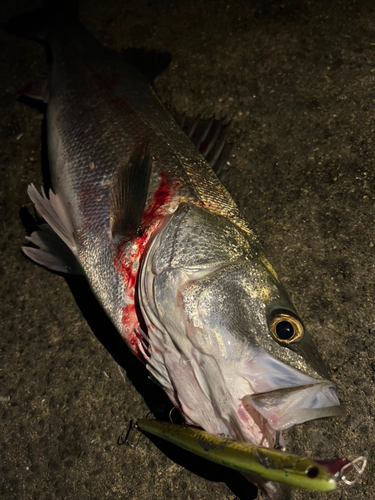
{"x":206,"y":292}
{"x":209,"y":314}
{"x":99,"y":109}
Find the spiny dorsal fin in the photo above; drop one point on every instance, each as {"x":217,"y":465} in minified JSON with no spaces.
{"x":210,"y":139}
{"x":129,"y":192}
{"x":150,"y":63}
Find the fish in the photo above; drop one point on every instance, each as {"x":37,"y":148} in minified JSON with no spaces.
{"x":137,"y":210}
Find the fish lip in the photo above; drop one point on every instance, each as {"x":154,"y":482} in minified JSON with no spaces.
{"x":286,"y":407}
{"x":323,"y":382}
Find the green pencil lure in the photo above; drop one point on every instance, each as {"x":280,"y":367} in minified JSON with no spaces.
{"x":270,"y":464}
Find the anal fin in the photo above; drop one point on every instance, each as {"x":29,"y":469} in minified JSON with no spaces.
{"x":53,"y":212}
{"x":56,"y":247}
{"x":51,"y":251}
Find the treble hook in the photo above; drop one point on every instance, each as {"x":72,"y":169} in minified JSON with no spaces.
{"x":277,"y":445}
{"x":353,"y":464}
{"x":124,"y":438}
{"x":170,"y":414}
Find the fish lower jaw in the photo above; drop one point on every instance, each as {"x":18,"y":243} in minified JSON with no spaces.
{"x":285,"y":407}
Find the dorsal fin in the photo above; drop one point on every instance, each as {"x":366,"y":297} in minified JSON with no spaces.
{"x":210,"y":139}
{"x":148,"y":62}
{"x":129,"y":192}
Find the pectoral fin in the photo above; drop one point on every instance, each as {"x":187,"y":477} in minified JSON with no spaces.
{"x":129,"y":192}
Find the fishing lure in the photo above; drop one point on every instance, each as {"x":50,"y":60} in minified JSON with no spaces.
{"x":270,"y":464}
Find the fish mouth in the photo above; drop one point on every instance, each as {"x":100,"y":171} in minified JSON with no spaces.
{"x":283,"y":408}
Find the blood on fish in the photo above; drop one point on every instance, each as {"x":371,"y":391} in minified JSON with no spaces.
{"x":124,"y":259}
{"x":243,"y":415}
{"x":203,"y":145}
{"x":128,"y":258}
{"x":161,"y":197}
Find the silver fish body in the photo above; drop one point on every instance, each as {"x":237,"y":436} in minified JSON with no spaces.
{"x":223,"y":338}
{"x":99,"y":110}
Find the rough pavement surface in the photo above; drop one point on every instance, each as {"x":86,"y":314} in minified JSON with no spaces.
{"x":297,"y":80}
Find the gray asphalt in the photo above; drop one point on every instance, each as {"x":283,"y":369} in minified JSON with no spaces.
{"x":297,"y":80}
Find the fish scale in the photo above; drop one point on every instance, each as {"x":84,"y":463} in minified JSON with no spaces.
{"x":99,"y":114}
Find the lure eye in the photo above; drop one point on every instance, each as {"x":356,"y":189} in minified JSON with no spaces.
{"x":286,"y":329}
{"x":312,"y":472}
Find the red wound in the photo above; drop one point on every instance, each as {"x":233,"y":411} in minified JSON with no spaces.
{"x":128,"y":258}
{"x":161,"y":197}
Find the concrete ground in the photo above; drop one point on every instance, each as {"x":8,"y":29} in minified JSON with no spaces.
{"x":297,"y":80}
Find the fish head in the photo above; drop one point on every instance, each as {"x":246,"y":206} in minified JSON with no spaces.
{"x":225,"y":340}
{"x":246,"y":310}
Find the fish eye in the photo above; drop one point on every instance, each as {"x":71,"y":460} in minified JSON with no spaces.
{"x":286,"y":329}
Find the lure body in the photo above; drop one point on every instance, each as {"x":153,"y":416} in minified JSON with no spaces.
{"x":269,"y":464}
